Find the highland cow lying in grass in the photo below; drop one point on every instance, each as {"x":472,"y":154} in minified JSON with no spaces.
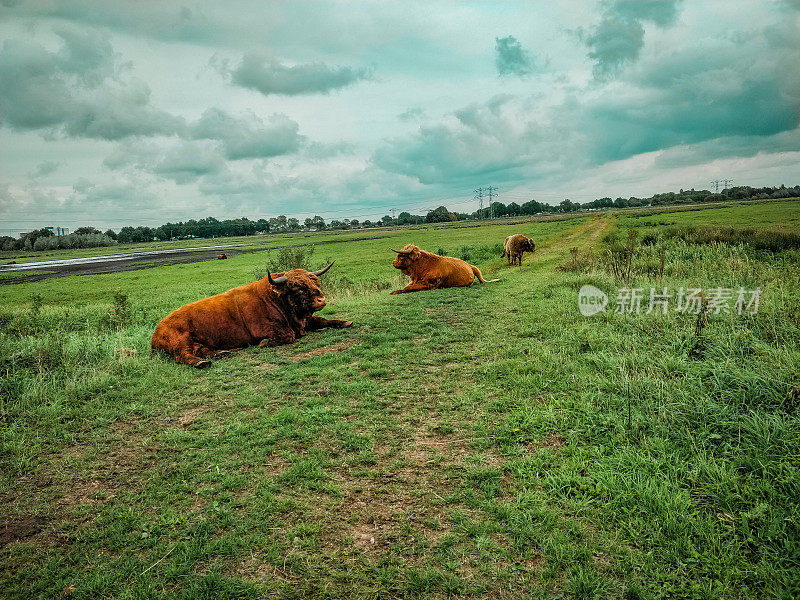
{"x":271,"y":311}
{"x":430,"y":271}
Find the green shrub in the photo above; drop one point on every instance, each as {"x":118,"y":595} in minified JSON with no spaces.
{"x":773,"y":240}
{"x":286,"y":259}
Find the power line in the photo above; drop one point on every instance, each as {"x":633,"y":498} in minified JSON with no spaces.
{"x":479,"y":198}
{"x":489,"y":190}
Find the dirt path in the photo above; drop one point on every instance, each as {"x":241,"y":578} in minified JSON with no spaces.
{"x":595,"y":227}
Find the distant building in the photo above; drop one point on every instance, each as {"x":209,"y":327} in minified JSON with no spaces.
{"x":59,"y":231}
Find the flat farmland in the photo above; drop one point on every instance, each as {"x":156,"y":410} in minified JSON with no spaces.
{"x":480,"y":442}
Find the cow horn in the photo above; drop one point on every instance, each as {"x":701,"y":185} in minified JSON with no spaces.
{"x":278,"y":280}
{"x":400,"y":251}
{"x":322,"y":271}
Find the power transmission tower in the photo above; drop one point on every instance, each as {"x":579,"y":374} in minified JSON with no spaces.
{"x":716,"y":183}
{"x":727,"y":183}
{"x":479,"y":198}
{"x":393,"y":211}
{"x":491,"y":189}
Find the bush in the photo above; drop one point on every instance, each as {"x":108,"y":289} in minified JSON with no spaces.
{"x":480,"y":253}
{"x":286,"y":259}
{"x":773,"y":240}
{"x":73,"y":240}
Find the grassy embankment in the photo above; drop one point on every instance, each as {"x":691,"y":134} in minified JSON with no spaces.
{"x":483,"y":442}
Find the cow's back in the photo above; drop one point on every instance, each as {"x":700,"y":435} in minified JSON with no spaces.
{"x":215,"y":322}
{"x":515,"y":243}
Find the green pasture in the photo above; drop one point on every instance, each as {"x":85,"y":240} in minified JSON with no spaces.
{"x":481,"y":442}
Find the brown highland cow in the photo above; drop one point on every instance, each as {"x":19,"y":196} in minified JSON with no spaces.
{"x":272,"y":311}
{"x":514,"y":247}
{"x":430,"y":271}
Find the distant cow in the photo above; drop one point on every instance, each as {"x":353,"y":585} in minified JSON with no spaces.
{"x":514,"y":247}
{"x":222,"y":256}
{"x":271,"y":311}
{"x":430,"y":271}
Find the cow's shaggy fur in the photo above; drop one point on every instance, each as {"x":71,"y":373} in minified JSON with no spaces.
{"x":515,"y":246}
{"x":430,"y":271}
{"x":263,"y":313}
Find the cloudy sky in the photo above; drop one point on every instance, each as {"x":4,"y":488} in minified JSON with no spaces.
{"x":125,"y":113}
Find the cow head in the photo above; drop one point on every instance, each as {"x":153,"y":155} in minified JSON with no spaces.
{"x":406,"y":257}
{"x":300,"y":290}
{"x":529,"y":245}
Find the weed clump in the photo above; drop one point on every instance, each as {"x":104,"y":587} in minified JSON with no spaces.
{"x":121,"y":309}
{"x":36,"y":304}
{"x":284,"y":259}
{"x":578,"y":262}
{"x":479,"y":253}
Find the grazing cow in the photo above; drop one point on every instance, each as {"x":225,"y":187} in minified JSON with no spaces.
{"x":514,"y":247}
{"x":222,"y":256}
{"x":430,"y":271}
{"x":271,"y":311}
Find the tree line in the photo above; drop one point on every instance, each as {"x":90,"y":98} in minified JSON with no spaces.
{"x":209,"y":227}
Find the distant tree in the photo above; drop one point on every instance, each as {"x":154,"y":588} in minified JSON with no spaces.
{"x":28,"y":241}
{"x":111,"y":233}
{"x":367,"y":223}
{"x":513,"y":209}
{"x":293,"y":224}
{"x":126,"y":235}
{"x":567,"y":205}
{"x":531,"y":207}
{"x":161,"y":232}
{"x":387,"y":220}
{"x":440,"y":215}
{"x":404,"y":218}
{"x":354,"y":223}
{"x":498,"y":209}
{"x":86,"y":230}
{"x":278,"y":224}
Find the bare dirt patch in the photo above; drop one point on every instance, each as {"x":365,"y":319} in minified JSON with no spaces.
{"x":19,"y":529}
{"x":322,"y":350}
{"x":189,"y":416}
{"x":551,"y":440}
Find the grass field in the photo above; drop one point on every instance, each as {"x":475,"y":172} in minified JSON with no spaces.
{"x":486,"y":442}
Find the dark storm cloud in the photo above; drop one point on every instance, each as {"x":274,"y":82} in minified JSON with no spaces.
{"x":512,"y":58}
{"x":687,"y":98}
{"x":613,"y":43}
{"x":619,"y":37}
{"x":271,"y":77}
{"x":661,"y":12}
{"x":731,"y":90}
{"x":500,"y":137}
{"x":183,"y":162}
{"x":734,"y":146}
{"x":166,"y":21}
{"x":75,"y":90}
{"x":250,"y":138}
